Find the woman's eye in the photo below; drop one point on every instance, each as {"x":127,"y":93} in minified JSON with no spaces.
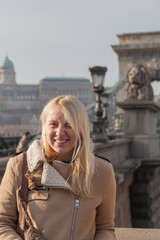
{"x":54,"y":124}
{"x":67,"y":125}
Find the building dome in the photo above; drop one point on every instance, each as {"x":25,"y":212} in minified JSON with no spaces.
{"x":7,"y":64}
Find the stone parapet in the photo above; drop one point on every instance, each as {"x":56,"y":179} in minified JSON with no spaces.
{"x":117,"y":151}
{"x":137,"y":234}
{"x":144,"y":146}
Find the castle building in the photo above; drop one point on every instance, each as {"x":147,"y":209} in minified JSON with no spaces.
{"x":54,"y":86}
{"x":19,"y":101}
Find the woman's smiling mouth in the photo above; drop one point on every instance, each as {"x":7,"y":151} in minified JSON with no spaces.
{"x":60,"y":141}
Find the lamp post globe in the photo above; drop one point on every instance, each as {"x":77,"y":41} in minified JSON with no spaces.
{"x":98,"y":76}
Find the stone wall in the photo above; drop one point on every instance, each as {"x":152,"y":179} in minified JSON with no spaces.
{"x":137,"y":234}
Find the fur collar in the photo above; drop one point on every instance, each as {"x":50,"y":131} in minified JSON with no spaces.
{"x":50,"y":176}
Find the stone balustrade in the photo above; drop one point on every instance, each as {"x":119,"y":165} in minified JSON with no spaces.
{"x":137,"y":234}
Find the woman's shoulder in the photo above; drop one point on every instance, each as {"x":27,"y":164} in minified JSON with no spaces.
{"x":18,"y":155}
{"x":16,"y":161}
{"x":103,"y":173}
{"x":102,"y":164}
{"x":13,"y":171}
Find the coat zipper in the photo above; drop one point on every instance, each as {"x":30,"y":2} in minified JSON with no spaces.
{"x":76,"y":206}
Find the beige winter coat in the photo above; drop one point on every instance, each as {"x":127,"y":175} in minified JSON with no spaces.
{"x":55,"y":210}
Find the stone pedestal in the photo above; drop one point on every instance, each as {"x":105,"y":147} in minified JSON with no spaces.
{"x":145,"y":195}
{"x":140,"y":125}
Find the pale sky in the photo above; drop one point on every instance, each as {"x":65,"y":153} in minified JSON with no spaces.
{"x":66,"y":37}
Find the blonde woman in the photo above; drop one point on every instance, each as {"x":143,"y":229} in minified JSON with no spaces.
{"x":71,"y":193}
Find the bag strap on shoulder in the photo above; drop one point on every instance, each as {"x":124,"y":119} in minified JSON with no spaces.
{"x":23,"y":197}
{"x":24,"y":184}
{"x":102,"y":157}
{"x":32,"y":233}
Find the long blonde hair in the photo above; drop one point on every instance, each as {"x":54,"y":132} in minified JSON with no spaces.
{"x":76,"y":115}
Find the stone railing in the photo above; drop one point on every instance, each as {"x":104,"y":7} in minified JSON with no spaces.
{"x":137,"y":234}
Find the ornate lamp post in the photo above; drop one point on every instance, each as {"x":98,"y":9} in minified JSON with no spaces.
{"x":98,"y":132}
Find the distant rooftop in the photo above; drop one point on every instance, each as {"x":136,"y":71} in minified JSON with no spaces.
{"x":65,"y":79}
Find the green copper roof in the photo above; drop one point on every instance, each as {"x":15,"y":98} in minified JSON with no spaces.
{"x":7,"y":64}
{"x":53,"y":79}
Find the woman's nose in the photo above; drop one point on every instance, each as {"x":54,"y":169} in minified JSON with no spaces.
{"x":60,"y":131}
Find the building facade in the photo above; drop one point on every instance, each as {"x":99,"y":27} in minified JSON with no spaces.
{"x":21,"y":102}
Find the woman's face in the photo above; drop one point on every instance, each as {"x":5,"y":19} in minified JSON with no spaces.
{"x":59,"y":134}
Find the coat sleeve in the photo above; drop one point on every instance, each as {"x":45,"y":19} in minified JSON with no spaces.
{"x":8,"y":203}
{"x":106,"y":210}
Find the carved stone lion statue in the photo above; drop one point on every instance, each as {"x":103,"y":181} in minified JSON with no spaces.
{"x":138,"y":83}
